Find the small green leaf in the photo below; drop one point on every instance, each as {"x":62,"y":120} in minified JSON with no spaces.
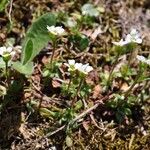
{"x":84,"y":42}
{"x":89,"y":10}
{"x":46,"y":112}
{"x":26,"y":69}
{"x":127,"y":111}
{"x":28,"y":51}
{"x":71,"y":22}
{"x":78,"y":105}
{"x":80,"y":41}
{"x":2,"y":63}
{"x":3,"y":4}
{"x":120,"y":116}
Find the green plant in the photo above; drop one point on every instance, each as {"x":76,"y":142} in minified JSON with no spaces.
{"x":122,"y":47}
{"x":80,"y":41}
{"x":7,"y":54}
{"x":54,"y":34}
{"x":51,"y":70}
{"x":89,"y":13}
{"x":78,"y":73}
{"x":121,"y":107}
{"x":36,"y":38}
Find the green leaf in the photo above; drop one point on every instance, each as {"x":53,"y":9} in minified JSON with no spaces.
{"x":28,"y":51}
{"x":46,"y":112}
{"x":127,"y":111}
{"x":3,"y":4}
{"x":84,"y":42}
{"x":80,"y":41}
{"x":89,"y":10}
{"x":2,"y":63}
{"x":78,"y":105}
{"x":39,"y":36}
{"x":26,"y":69}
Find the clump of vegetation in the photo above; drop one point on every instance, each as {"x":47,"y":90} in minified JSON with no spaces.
{"x":62,"y":86}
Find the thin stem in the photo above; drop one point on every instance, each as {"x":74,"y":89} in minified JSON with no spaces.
{"x":134,"y":83}
{"x":112,"y":70}
{"x":69,"y":84}
{"x":6,"y":72}
{"x":53,"y":52}
{"x":77,"y":92}
{"x":129,"y":62}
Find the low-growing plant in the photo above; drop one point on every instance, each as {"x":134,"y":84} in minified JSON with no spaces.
{"x":78,"y":73}
{"x":89,"y":13}
{"x":125,"y":46}
{"x":80,"y":41}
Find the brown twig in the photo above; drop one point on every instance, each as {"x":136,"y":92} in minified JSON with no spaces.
{"x":83,"y":114}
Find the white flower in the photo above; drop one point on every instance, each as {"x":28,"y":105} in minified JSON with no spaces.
{"x":55,"y":30}
{"x":143,"y":59}
{"x":70,"y":65}
{"x":6,"y":51}
{"x":120,"y":43}
{"x":83,"y":68}
{"x":78,"y":66}
{"x":134,"y":37}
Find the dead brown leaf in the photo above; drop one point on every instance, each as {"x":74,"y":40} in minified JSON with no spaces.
{"x":85,"y":125}
{"x":96,"y":33}
{"x":124,"y":87}
{"x":56,"y":83}
{"x":96,"y":91}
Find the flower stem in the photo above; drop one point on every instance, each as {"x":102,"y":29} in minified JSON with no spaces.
{"x":6,"y":72}
{"x":112,"y":70}
{"x":69,"y":84}
{"x":53,"y":52}
{"x":77,"y":92}
{"x":134,"y":83}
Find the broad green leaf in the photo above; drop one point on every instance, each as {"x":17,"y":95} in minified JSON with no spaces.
{"x":26,"y":69}
{"x":39,"y":36}
{"x":28,"y":51}
{"x":89,"y":10}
